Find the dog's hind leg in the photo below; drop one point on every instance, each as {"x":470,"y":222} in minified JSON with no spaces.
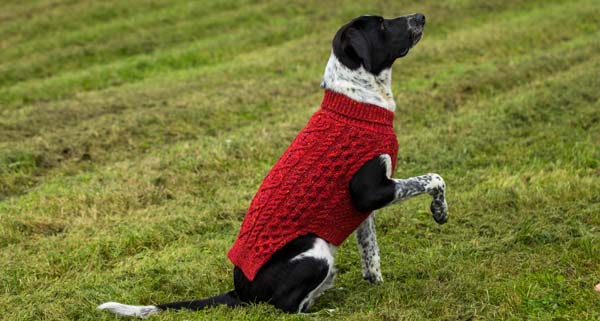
{"x":366,"y":240}
{"x":293,"y":278}
{"x":372,"y":188}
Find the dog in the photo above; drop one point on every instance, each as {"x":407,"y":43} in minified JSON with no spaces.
{"x":318,"y":192}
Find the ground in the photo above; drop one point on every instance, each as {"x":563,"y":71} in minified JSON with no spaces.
{"x":133,"y":136}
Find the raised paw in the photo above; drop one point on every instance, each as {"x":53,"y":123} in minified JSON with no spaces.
{"x":439,"y":208}
{"x":437,"y":190}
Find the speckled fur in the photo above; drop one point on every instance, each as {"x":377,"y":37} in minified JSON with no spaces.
{"x":369,"y":251}
{"x":359,"y":84}
{"x":432,"y":184}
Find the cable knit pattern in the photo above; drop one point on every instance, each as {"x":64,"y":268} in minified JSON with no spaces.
{"x":307,"y":191}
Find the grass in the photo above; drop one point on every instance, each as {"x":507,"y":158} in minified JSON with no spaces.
{"x":134,"y":134}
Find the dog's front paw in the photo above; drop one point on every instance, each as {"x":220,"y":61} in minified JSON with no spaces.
{"x":373,"y":276}
{"x":439,"y":208}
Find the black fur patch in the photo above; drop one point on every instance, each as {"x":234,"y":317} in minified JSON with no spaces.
{"x":370,"y":188}
{"x":281,"y":281}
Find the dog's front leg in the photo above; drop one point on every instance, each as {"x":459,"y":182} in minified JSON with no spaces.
{"x":432,"y":184}
{"x":372,"y":188}
{"x":369,"y":251}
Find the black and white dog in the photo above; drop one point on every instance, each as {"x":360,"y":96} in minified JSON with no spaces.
{"x":360,"y":68}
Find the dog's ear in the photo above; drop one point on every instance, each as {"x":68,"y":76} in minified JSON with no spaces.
{"x":356,"y":44}
{"x":351,"y":47}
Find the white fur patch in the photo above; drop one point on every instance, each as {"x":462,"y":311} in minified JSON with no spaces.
{"x":359,"y":84}
{"x":320,"y":250}
{"x":142,"y":311}
{"x":436,"y":182}
{"x":387,"y":162}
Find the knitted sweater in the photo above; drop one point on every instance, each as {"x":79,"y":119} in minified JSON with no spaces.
{"x":307,"y":191}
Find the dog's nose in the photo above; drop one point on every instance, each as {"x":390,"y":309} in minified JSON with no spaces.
{"x":419,"y":19}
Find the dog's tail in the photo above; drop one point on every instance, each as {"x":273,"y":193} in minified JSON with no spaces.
{"x":229,"y":299}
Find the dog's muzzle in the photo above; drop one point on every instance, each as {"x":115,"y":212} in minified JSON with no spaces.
{"x":416,"y":23}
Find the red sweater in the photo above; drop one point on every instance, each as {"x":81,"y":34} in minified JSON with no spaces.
{"x":307,"y":191}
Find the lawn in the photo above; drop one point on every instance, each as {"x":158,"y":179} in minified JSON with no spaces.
{"x":133,"y":135}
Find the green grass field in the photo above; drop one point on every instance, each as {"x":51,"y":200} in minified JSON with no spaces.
{"x":133,"y":135}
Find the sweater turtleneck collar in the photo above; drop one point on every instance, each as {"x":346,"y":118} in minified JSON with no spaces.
{"x":344,"y":106}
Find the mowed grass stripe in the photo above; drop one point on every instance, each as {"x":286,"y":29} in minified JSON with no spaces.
{"x":104,"y":46}
{"x":162,"y":24}
{"x":205,"y":52}
{"x":187,"y":13}
{"x":53,"y":24}
{"x":15,"y":9}
{"x":435,"y":90}
{"x":462,"y":65}
{"x":101,"y":45}
{"x":146,"y":65}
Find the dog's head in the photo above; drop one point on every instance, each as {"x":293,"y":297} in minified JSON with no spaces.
{"x":375,"y":43}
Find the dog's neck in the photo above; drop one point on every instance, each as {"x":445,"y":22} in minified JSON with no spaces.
{"x":359,"y":84}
